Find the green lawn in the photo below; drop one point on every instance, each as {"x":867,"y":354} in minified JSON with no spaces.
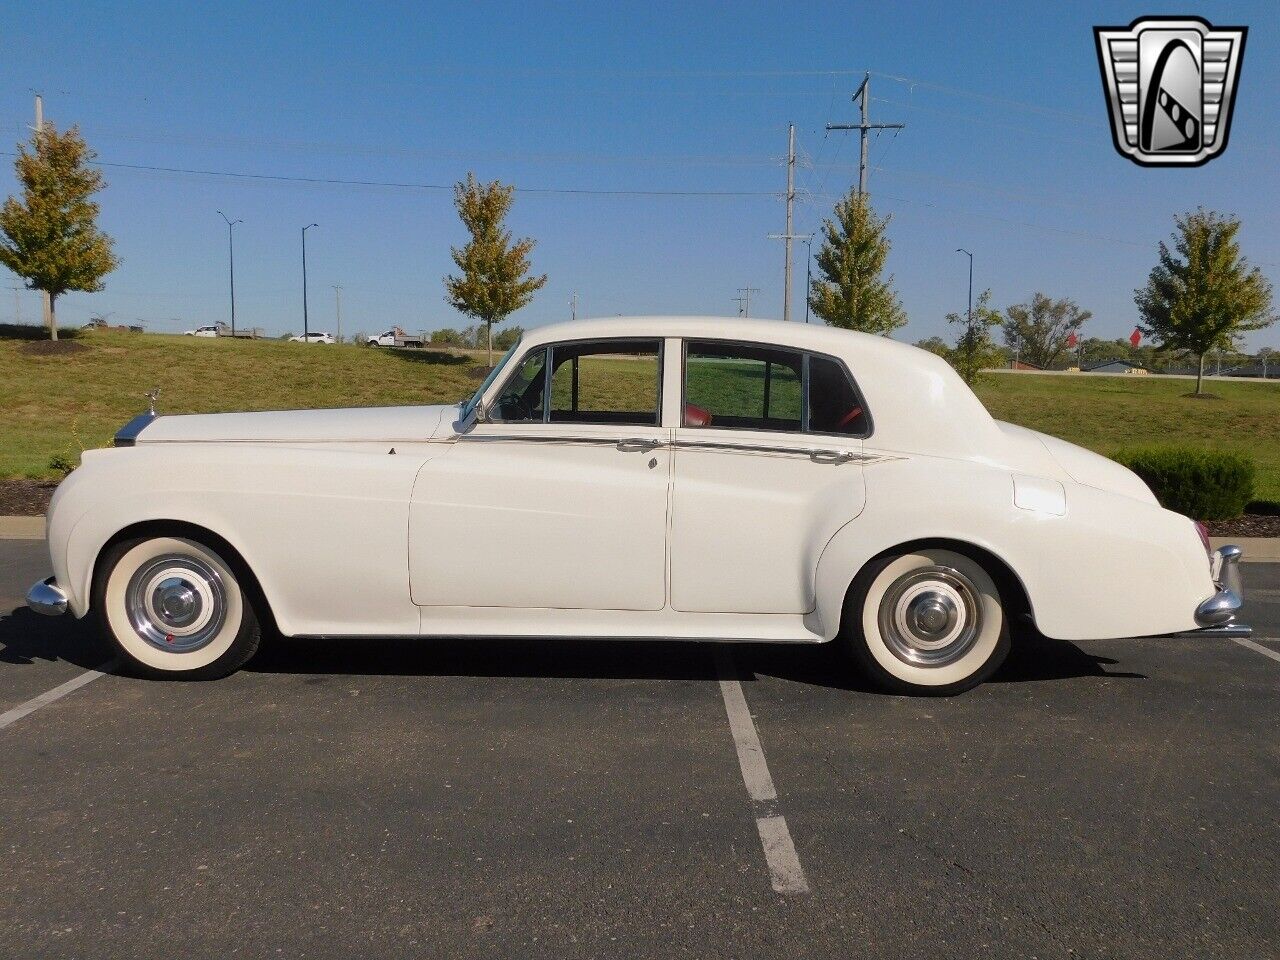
{"x":1107,"y":413}
{"x":58,"y":404}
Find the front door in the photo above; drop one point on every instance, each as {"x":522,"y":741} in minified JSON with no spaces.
{"x":767,"y":469}
{"x":560,"y":500}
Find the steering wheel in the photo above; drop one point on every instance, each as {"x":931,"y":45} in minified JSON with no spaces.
{"x":849,"y":418}
{"x":513,"y":407}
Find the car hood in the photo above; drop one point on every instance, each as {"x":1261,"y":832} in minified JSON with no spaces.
{"x":353,"y":424}
{"x":1081,"y":465}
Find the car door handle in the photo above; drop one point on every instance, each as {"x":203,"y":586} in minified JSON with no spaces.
{"x":830,"y":456}
{"x":637,"y":445}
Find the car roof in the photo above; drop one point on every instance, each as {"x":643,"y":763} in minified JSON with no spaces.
{"x":809,"y":336}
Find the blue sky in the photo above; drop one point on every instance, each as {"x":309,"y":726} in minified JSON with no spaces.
{"x":1006,"y":151}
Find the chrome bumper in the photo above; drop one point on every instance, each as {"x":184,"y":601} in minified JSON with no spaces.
{"x":47,"y":597}
{"x":1221,"y":609}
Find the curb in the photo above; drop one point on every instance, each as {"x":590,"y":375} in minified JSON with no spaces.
{"x":1256,"y":549}
{"x":21,"y":528}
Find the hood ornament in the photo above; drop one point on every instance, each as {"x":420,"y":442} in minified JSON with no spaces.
{"x":151,"y":396}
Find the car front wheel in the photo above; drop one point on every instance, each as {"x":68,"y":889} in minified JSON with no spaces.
{"x":929,"y":621}
{"x":176,"y":608}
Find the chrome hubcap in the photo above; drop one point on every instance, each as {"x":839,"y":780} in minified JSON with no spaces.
{"x":176,"y":603}
{"x":930,"y":617}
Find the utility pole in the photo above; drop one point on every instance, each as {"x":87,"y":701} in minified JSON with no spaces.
{"x":306,"y":329}
{"x":789,"y":236}
{"x":231,"y":261}
{"x":337,"y":297}
{"x":17,"y":304}
{"x":44,"y":294}
{"x":862,"y":96}
{"x":573,"y":307}
{"x":744,"y":301}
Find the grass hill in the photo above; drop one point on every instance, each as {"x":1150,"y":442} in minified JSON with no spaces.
{"x":58,"y":401}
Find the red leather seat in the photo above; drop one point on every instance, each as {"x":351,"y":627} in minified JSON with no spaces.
{"x":696,"y":416}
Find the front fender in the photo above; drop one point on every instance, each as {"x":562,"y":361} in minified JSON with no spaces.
{"x":324,"y":531}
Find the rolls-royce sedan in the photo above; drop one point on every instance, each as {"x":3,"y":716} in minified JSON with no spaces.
{"x":678,"y":478}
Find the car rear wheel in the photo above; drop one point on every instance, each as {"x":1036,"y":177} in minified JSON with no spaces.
{"x":930,"y":621}
{"x":176,"y":608}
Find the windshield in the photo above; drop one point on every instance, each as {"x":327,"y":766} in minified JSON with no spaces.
{"x":470,"y":405}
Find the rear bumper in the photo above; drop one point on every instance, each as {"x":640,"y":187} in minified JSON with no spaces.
{"x":47,"y":597}
{"x":1223,"y":606}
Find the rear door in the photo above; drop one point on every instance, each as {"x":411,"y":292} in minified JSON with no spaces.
{"x":767,"y":467}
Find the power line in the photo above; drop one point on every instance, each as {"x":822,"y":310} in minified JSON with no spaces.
{"x":403,"y":184}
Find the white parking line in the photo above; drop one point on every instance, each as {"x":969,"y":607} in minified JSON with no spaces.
{"x":1265,"y":651}
{"x":785,"y":872}
{"x":49,"y":696}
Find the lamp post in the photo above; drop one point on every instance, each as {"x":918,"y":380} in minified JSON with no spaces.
{"x":231,"y":263}
{"x":808,"y":273}
{"x":306,"y":330}
{"x":969,"y":313}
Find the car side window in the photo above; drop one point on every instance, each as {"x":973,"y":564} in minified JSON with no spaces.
{"x":607,"y":382}
{"x":834,"y":405}
{"x":742,"y":386}
{"x":521,"y":398}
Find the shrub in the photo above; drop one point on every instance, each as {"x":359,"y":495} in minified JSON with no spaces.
{"x":1202,"y":484}
{"x":61,"y":464}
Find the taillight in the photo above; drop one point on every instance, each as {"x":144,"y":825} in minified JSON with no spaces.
{"x":1204,"y":536}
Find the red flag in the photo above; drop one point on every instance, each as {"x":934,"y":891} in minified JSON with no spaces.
{"x":1136,"y":337}
{"x":1072,"y":340}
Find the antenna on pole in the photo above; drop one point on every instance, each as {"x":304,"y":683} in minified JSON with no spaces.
{"x":861,"y":96}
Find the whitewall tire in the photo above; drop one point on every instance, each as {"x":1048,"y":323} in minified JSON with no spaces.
{"x":176,"y":608}
{"x":930,"y":621}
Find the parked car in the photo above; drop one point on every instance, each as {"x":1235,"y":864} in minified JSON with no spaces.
{"x":313,"y":337}
{"x":207,"y":331}
{"x":396,"y":337}
{"x":689,"y":479}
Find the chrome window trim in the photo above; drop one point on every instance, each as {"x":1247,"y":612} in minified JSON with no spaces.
{"x":548,"y":368}
{"x":804,"y":387}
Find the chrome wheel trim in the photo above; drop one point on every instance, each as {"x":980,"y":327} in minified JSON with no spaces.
{"x":176,"y":603}
{"x":931,"y":616}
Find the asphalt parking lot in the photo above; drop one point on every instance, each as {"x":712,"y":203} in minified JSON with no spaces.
{"x":422,"y":799}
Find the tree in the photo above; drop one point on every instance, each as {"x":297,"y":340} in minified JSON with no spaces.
{"x":974,"y":349}
{"x":935,"y":345}
{"x":494,"y":281}
{"x":50,"y":236}
{"x":1264,"y":357}
{"x":850,"y":292}
{"x":1202,"y":294}
{"x":1037,"y":332}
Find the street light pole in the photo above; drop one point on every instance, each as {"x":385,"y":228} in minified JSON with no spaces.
{"x":306,"y":330}
{"x":231,"y":262}
{"x":969,"y":314}
{"x":808,"y":273}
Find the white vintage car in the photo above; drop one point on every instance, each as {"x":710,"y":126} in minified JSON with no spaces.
{"x":313,"y":337}
{"x":674,"y":478}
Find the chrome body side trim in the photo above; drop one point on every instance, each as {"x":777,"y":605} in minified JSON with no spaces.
{"x":1227,"y":631}
{"x":127,"y":435}
{"x":1221,"y":608}
{"x":47,"y":597}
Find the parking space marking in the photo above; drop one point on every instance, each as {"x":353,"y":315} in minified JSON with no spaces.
{"x":10,"y":717}
{"x":1265,"y":651}
{"x":785,"y":873}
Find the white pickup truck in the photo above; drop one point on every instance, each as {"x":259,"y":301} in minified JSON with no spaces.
{"x":396,"y":337}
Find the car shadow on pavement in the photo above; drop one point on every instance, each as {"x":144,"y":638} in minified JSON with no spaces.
{"x":27,"y":638}
{"x":1032,"y":658}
